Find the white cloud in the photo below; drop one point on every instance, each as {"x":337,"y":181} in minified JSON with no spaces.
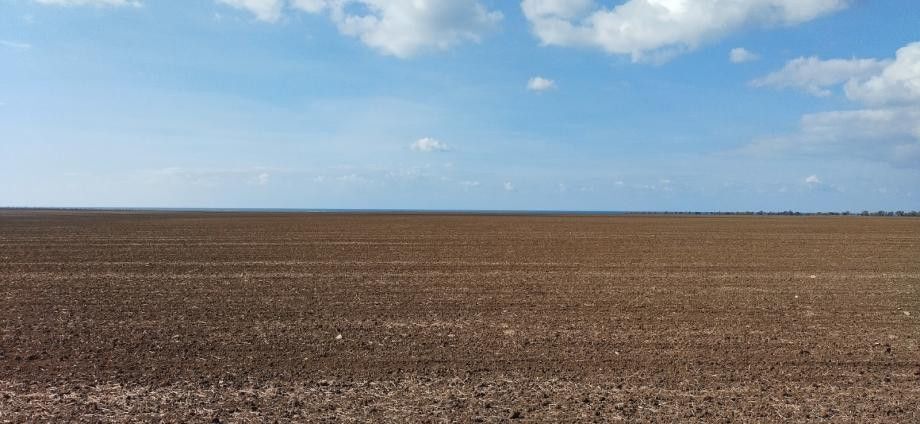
{"x":263,"y":178}
{"x":564,"y":9}
{"x":508,"y":186}
{"x":657,"y":29}
{"x":467,"y":185}
{"x":812,"y":182}
{"x":400,"y":28}
{"x":353,"y":179}
{"x":134,"y":3}
{"x":742,"y":55}
{"x":815,"y":75}
{"x":15,"y":45}
{"x":540,"y":84}
{"x":310,"y":6}
{"x":265,"y":10}
{"x":897,"y":83}
{"x":428,"y":144}
{"x":891,"y":135}
{"x":889,"y":123}
{"x":886,"y":129}
{"x":207,"y":177}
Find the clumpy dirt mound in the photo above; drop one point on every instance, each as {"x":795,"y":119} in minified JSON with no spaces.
{"x":319,"y":317}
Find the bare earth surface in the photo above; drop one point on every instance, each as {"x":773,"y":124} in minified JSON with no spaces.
{"x":236,"y":317}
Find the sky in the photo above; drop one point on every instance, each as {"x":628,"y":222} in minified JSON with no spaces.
{"x":654,"y":105}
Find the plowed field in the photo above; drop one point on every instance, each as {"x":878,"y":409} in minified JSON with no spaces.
{"x":239,"y":317}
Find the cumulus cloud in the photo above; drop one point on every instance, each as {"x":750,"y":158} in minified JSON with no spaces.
{"x":265,"y":10}
{"x":812,"y":180}
{"x":886,"y":128}
{"x":658,"y":29}
{"x":741,"y":55}
{"x":897,"y":83}
{"x":400,"y":28}
{"x":814,"y":75}
{"x":428,"y":144}
{"x":135,"y":3}
{"x":540,"y":84}
{"x":508,"y":186}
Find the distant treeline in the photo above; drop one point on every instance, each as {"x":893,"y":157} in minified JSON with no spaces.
{"x":461,"y":211}
{"x":794,"y":213}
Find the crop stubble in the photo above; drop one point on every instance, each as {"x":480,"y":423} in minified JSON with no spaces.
{"x":252,"y":316}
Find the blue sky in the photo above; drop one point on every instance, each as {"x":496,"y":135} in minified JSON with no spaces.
{"x":461,"y":104}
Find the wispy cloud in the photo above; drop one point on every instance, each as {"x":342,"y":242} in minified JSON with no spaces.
{"x":467,"y":185}
{"x":15,"y":45}
{"x":742,"y":55}
{"x":133,"y":3}
{"x":264,"y":10}
{"x":208,"y":177}
{"x":263,"y":178}
{"x":815,"y":75}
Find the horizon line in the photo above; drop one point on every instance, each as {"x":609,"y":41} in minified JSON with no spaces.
{"x":460,"y":211}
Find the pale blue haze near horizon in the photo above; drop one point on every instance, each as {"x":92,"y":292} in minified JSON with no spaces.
{"x":810,"y":105}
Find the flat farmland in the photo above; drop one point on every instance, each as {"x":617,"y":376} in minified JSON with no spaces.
{"x":245,"y":317}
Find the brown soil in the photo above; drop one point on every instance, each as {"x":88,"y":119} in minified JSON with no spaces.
{"x":235,"y":317}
